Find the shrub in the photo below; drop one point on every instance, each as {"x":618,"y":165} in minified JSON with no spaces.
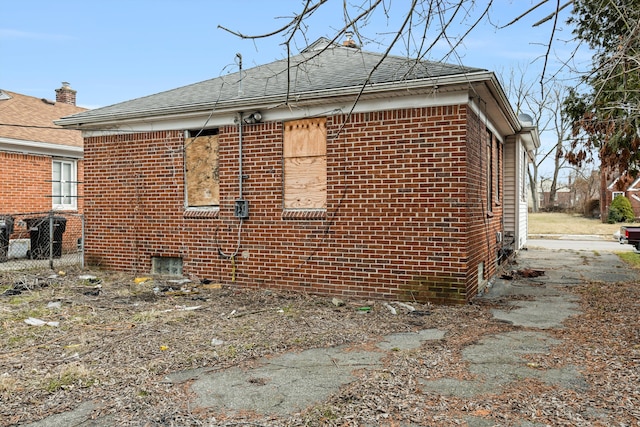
{"x":620,"y":211}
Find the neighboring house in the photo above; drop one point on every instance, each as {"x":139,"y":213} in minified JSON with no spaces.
{"x":41,"y":161}
{"x":621,"y":186}
{"x":564,"y":197}
{"x":301,"y":175}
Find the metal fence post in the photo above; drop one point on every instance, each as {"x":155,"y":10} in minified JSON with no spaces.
{"x":82,"y":241}
{"x":51,"y":240}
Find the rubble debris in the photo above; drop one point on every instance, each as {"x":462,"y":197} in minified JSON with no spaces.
{"x":182,"y":308}
{"x":420,"y":313}
{"x":39,"y":322}
{"x":54,"y":305}
{"x":523,"y":273}
{"x":391,"y":309}
{"x":11,"y":292}
{"x":528,"y":272}
{"x":407,"y":306}
{"x":337,"y":302}
{"x":92,"y":292}
{"x":216,"y":342}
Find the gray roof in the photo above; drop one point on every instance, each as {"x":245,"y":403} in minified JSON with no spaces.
{"x":320,"y":69}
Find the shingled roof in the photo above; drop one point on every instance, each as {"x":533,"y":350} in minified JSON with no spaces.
{"x":29,"y":119}
{"x":323,"y":69}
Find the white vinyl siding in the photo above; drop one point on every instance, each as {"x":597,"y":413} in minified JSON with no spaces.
{"x":523,"y":208}
{"x":511,"y":187}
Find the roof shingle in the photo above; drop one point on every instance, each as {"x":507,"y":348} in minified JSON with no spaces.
{"x":28,"y":118}
{"x":321,"y":67}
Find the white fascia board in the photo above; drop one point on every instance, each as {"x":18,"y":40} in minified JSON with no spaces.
{"x":634,"y":184}
{"x":40,"y":148}
{"x":287,"y":112}
{"x":610,"y":186}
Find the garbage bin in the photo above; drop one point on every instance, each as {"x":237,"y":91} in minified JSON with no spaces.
{"x":39,"y":236}
{"x":6,"y":228}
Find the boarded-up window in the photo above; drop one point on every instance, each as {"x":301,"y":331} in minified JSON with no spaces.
{"x":305,"y":164}
{"x":203,"y":183}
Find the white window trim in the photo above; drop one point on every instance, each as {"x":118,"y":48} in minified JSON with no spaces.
{"x":73,"y":196}
{"x":614,"y":194}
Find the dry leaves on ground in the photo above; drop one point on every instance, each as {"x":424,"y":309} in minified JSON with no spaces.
{"x":117,"y":338}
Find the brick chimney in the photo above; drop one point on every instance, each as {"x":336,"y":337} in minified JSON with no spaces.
{"x":65,"y":94}
{"x":349,"y":42}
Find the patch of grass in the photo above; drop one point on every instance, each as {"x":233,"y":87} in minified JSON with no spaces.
{"x":146,"y":316}
{"x":22,"y":299}
{"x":71,"y":375}
{"x":561,"y":223}
{"x":632,"y":259}
{"x":8,"y":386}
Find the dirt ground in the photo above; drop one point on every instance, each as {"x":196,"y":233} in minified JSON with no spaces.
{"x":112,"y":339}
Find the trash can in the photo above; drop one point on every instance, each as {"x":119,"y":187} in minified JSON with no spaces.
{"x":6,"y":228}
{"x":39,"y":236}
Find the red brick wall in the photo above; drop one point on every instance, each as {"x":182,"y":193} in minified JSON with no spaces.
{"x":26,"y":189}
{"x":484,"y":221}
{"x":404,"y":215}
{"x":25,"y":183}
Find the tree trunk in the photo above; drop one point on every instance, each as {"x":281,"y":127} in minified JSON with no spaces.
{"x":556,"y":170}
{"x":532,"y":173}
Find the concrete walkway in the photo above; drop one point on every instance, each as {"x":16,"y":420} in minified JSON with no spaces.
{"x":292,"y":382}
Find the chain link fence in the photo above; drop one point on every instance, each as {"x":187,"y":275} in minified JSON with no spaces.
{"x":41,"y":240}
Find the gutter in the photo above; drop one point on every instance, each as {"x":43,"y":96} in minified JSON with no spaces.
{"x":40,"y":148}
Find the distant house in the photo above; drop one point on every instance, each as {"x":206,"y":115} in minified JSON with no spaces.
{"x":624,"y":185}
{"x":41,"y":161}
{"x":564,"y":198}
{"x":335,"y":172}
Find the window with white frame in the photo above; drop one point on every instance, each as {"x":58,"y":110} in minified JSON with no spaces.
{"x":64,"y":184}
{"x":616,"y":194}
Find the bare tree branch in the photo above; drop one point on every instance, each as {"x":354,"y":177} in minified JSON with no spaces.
{"x":293,"y":23}
{"x":551,"y":15}
{"x":522,"y":15}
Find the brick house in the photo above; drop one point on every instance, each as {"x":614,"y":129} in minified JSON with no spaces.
{"x":41,"y":161}
{"x":622,"y":185}
{"x":297,"y":175}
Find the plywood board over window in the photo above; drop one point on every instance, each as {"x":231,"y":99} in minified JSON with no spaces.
{"x":305,"y":164}
{"x":203,"y":183}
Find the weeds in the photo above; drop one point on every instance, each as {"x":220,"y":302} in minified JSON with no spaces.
{"x":72,"y":375}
